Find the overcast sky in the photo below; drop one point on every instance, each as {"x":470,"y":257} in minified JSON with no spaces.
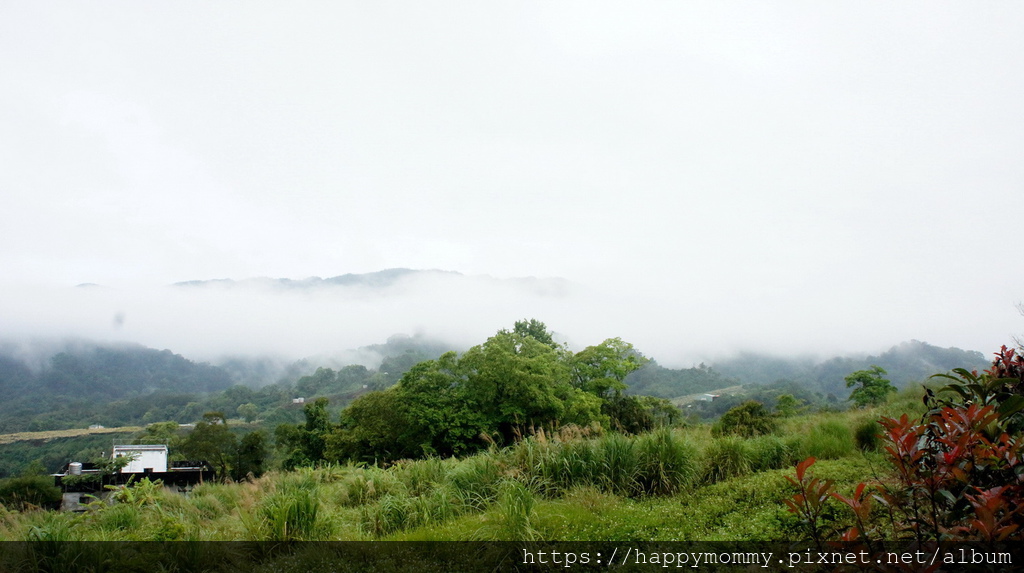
{"x":785,"y":176}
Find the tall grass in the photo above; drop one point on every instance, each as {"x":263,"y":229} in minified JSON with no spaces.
{"x":666,"y":463}
{"x":727,"y":457}
{"x":618,"y":463}
{"x":770,"y":453}
{"x":827,"y":440}
{"x":515,"y":509}
{"x":290,"y":512}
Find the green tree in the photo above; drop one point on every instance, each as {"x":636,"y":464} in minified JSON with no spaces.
{"x":869,"y":386}
{"x":306,"y":443}
{"x":159,"y":433}
{"x":443,"y":418}
{"x":787,"y":405}
{"x":211,"y":441}
{"x":377,"y":427}
{"x":250,"y":456}
{"x":748,"y":419}
{"x":320,"y":382}
{"x":248,"y":411}
{"x":513,"y":384}
{"x":602,"y":369}
{"x":517,"y":382}
{"x":536,"y":330}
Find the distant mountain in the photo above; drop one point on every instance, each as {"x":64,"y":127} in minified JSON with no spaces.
{"x":906,"y":363}
{"x":74,"y":380}
{"x":387,"y":278}
{"x":378,"y":279}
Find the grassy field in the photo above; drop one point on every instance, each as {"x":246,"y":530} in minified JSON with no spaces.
{"x":671,"y":484}
{"x":46,"y":436}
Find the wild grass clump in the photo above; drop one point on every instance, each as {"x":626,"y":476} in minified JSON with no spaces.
{"x":558,"y":466}
{"x":477,"y":478}
{"x":421,"y":476}
{"x":389,"y":514}
{"x":290,"y":512}
{"x":867,"y":435}
{"x":513,"y":514}
{"x":516,"y":510}
{"x":769,"y":453}
{"x":119,"y":517}
{"x":51,"y":527}
{"x":618,"y":462}
{"x":659,"y":463}
{"x":666,"y":464}
{"x":725,"y":458}
{"x":828,"y":440}
{"x":365,"y":485}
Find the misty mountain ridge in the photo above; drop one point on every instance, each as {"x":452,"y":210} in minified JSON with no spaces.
{"x":387,"y":279}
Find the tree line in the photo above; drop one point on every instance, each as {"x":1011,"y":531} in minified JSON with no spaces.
{"x":518,"y":382}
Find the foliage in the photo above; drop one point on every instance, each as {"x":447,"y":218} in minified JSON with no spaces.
{"x":251,"y":457}
{"x":787,"y":405}
{"x":958,"y":472}
{"x":748,"y":419}
{"x":28,"y":491}
{"x":867,"y":435}
{"x":515,"y":384}
{"x":809,"y":501}
{"x":289,"y":513}
{"x":870,"y":389}
{"x":1002,"y":385}
{"x":211,"y":441}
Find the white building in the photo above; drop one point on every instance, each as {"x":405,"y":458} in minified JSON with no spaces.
{"x":145,"y":458}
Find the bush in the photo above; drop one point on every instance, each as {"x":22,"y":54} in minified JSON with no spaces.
{"x":29,"y":491}
{"x":748,"y":419}
{"x":868,"y":436}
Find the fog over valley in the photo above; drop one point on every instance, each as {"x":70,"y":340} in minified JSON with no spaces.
{"x":332,"y":319}
{"x":698,"y":179}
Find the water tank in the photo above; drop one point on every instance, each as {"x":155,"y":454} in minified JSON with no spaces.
{"x":75,"y":468}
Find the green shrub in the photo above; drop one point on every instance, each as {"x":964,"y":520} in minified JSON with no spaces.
{"x":28,"y":491}
{"x":868,"y":435}
{"x":748,"y":419}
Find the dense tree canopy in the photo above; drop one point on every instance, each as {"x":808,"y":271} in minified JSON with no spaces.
{"x":869,"y":386}
{"x":515,"y":383}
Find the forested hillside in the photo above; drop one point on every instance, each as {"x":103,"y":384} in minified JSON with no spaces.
{"x":906,"y":363}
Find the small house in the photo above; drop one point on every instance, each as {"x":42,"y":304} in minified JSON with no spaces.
{"x":83,"y":482}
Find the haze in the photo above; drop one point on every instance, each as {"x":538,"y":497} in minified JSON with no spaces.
{"x":700,"y":177}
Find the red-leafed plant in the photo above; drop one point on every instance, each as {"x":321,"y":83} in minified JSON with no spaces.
{"x":958,"y":473}
{"x":809,"y":501}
